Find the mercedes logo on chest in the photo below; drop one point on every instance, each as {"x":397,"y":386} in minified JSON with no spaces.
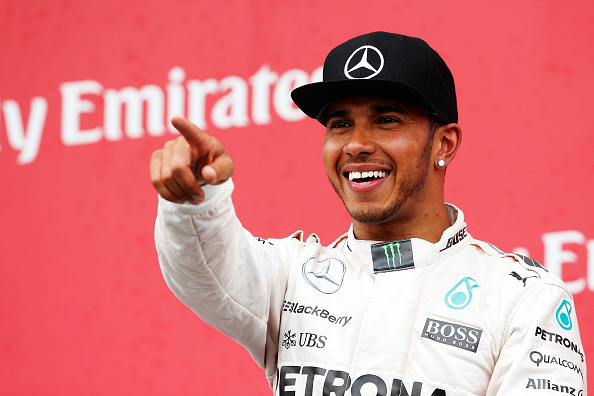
{"x":364,"y":63}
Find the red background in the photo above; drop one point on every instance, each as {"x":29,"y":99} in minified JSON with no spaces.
{"x":83,"y":307}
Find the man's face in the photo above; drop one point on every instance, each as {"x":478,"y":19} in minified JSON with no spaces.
{"x":377,"y":154}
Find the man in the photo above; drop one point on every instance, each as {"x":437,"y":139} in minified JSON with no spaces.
{"x":406,"y":302}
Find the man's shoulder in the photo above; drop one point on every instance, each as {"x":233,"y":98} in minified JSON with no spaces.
{"x":517,"y":266}
{"x":297,"y":240}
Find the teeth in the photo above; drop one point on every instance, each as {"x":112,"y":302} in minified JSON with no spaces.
{"x":364,"y":175}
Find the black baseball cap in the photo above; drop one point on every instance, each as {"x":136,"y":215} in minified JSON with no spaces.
{"x":387,"y":65}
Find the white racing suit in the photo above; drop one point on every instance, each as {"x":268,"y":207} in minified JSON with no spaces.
{"x":360,"y":318}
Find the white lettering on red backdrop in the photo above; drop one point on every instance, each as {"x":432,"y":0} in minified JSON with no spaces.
{"x":25,"y":140}
{"x":233,"y":107}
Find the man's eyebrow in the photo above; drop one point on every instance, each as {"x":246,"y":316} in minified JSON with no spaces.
{"x":380,"y":109}
{"x":375,"y":110}
{"x":338,"y":113}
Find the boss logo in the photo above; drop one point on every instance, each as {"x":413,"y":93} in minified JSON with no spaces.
{"x":460,"y":235}
{"x":453,"y":334}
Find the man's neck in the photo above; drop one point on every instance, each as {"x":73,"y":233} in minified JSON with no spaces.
{"x":428,"y":224}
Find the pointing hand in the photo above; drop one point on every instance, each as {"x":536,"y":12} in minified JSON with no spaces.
{"x":188,"y":162}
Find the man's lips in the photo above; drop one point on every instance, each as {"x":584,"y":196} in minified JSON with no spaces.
{"x":365,"y":177}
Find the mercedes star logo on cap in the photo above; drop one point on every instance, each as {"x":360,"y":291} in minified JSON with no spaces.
{"x":371,"y":63}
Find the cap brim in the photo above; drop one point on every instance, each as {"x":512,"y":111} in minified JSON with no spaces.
{"x":313,"y":98}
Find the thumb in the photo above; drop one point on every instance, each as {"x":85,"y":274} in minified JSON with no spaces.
{"x":219,"y":171}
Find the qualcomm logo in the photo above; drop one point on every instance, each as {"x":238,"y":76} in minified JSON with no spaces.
{"x":325,"y":275}
{"x":366,"y":57}
{"x":460,"y":295}
{"x":563,"y":315}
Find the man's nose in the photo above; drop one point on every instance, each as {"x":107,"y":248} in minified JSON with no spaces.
{"x":360,"y":141}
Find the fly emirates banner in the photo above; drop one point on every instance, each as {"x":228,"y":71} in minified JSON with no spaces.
{"x":86,"y":92}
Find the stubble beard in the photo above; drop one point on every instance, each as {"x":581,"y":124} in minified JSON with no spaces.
{"x":411,"y":185}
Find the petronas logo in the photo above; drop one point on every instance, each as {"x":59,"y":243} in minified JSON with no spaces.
{"x":391,"y":256}
{"x":459,"y":296}
{"x":564,"y":315}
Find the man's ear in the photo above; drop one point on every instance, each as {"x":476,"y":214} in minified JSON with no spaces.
{"x":447,"y":141}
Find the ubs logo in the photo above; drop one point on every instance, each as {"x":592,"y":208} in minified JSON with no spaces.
{"x":305,"y":340}
{"x":364,"y":63}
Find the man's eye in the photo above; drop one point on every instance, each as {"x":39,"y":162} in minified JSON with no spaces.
{"x":387,"y":120}
{"x":338,"y":124}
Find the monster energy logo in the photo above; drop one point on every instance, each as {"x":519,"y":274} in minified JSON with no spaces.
{"x":390,"y":256}
{"x":389,"y":250}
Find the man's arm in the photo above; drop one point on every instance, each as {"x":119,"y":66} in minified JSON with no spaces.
{"x":231,"y":280}
{"x":542,"y":349}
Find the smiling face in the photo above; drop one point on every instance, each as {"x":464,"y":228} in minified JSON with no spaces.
{"x":377,"y":154}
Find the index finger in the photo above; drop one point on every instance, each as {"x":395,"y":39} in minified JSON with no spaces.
{"x":195,"y":136}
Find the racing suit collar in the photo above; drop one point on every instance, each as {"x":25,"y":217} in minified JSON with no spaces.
{"x":377,"y":256}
